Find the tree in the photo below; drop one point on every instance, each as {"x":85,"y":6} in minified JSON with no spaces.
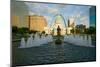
{"x":14,"y":29}
{"x":23,"y":30}
{"x":91,"y":30}
{"x":43,"y":32}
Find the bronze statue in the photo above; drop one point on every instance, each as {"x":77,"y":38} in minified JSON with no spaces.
{"x":58,"y":30}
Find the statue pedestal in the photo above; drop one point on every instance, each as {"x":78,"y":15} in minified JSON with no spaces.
{"x":58,"y":40}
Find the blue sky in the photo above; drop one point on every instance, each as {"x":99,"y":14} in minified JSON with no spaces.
{"x":48,"y":10}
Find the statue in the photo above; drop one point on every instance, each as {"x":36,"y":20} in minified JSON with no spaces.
{"x":58,"y":31}
{"x":58,"y":40}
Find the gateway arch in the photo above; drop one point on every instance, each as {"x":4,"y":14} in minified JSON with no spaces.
{"x":58,"y":21}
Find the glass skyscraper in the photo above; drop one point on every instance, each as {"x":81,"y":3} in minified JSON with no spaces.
{"x":93,"y":16}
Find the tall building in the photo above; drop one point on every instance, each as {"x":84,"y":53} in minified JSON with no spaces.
{"x":71,"y":25}
{"x":19,"y":12}
{"x":14,"y":20}
{"x":37,"y":23}
{"x":68,"y":23}
{"x":71,"y":22}
{"x":93,"y":16}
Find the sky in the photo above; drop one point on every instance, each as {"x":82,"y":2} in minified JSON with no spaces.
{"x":78,"y":12}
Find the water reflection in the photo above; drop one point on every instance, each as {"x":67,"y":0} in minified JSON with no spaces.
{"x":59,"y":53}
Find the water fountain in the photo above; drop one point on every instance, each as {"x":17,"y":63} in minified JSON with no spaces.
{"x":49,"y":38}
{"x":22,"y":43}
{"x":79,"y":40}
{"x":44,"y":39}
{"x":37,"y":40}
{"x":30,"y":41}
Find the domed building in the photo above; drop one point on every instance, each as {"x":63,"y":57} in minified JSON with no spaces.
{"x":58,"y":21}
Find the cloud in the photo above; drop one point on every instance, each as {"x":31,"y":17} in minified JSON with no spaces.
{"x":52,"y":10}
{"x":49,"y":20}
{"x":31,"y":13}
{"x":40,"y":8}
{"x":78,"y":15}
{"x":82,"y":18}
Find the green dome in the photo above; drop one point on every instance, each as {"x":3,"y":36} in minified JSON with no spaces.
{"x":59,"y":19}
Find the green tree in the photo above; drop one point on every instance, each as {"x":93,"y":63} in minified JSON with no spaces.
{"x":14,"y":29}
{"x":91,"y":30}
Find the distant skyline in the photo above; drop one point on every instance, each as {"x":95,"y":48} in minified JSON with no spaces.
{"x":79,"y":12}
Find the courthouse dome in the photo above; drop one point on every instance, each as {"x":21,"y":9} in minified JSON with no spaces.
{"x":59,"y":19}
